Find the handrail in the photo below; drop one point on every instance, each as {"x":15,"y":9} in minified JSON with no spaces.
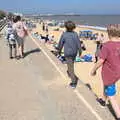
{"x":2,"y":24}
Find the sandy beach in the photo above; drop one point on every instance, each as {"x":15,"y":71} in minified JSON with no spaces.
{"x":82,"y":69}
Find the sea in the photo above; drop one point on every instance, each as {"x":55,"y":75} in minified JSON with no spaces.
{"x":92,"y":20}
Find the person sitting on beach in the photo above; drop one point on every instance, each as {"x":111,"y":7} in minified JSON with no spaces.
{"x":83,"y":45}
{"x":71,"y":43}
{"x":45,"y":38}
{"x":109,"y":59}
{"x":51,"y":39}
{"x":42,"y":37}
{"x":95,"y":37}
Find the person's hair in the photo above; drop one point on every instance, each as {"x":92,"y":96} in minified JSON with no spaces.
{"x":98,"y":42}
{"x":102,"y":34}
{"x":17,"y":18}
{"x":81,"y":41}
{"x":113,"y":30}
{"x":70,"y":26}
{"x":96,"y":34}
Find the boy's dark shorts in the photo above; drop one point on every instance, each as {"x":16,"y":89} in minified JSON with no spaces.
{"x":12,"y":45}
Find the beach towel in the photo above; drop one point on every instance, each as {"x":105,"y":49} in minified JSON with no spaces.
{"x":78,"y":59}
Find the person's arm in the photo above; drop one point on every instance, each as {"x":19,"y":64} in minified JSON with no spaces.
{"x":97,"y":66}
{"x":26,"y":30}
{"x":25,"y":27}
{"x":60,"y":45}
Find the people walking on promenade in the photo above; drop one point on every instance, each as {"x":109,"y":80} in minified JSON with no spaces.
{"x":11,"y":41}
{"x":71,"y":43}
{"x":21,"y":32}
{"x":109,"y":59}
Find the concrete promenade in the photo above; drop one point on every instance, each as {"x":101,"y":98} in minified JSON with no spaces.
{"x":34,"y":88}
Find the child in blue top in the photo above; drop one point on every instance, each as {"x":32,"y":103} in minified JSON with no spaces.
{"x":71,"y":43}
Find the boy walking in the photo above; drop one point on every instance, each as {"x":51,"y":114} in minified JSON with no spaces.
{"x":109,"y":59}
{"x":11,"y":42}
{"x":71,"y":43}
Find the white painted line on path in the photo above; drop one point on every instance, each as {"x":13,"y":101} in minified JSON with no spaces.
{"x":75,"y":91}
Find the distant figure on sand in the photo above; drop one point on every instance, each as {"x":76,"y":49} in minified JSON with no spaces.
{"x":99,"y":41}
{"x":83,"y":45}
{"x":109,"y":59}
{"x":98,"y":47}
{"x":96,"y":36}
{"x":21,"y":32}
{"x":71,"y":43}
{"x":43,"y":26}
{"x":101,"y":38}
{"x":46,"y":28}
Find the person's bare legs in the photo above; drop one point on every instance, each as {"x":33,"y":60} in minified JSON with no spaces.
{"x":115,"y":105}
{"x":103,"y":96}
{"x":20,"y":50}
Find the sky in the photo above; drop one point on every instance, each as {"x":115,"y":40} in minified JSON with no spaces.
{"x":62,"y":6}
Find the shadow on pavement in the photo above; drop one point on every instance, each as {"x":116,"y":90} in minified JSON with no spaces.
{"x":31,"y":51}
{"x":111,"y":110}
{"x":108,"y":105}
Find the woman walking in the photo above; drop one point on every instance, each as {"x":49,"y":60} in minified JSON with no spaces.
{"x":21,"y":32}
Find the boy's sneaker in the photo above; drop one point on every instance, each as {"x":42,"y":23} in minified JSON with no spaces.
{"x":73,"y":85}
{"x":101,"y":102}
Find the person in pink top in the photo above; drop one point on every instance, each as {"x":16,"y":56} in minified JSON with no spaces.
{"x":109,"y":59}
{"x":21,"y":32}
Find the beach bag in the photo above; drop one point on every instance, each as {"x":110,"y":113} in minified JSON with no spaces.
{"x":87,"y":58}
